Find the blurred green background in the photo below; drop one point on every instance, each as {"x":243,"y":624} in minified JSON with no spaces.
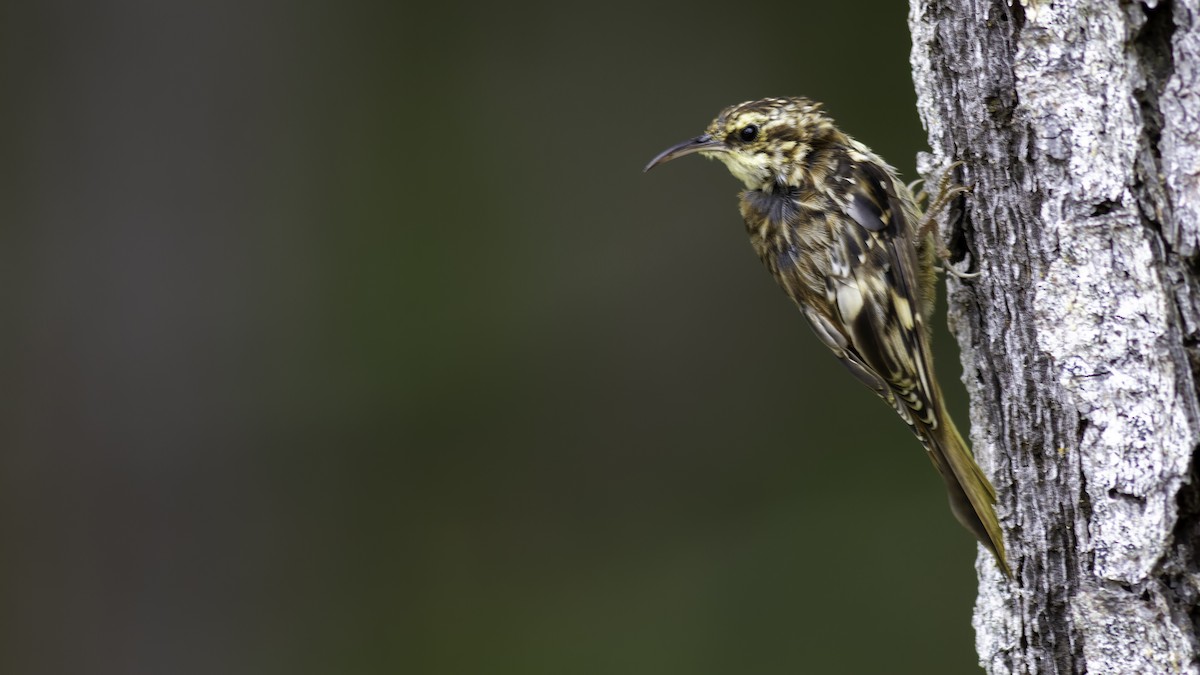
{"x":350,"y":338}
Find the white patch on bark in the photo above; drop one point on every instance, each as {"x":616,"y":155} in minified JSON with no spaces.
{"x":1180,"y":143}
{"x":1105,"y":304}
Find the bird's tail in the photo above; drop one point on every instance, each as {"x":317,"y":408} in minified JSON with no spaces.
{"x":972,"y":497}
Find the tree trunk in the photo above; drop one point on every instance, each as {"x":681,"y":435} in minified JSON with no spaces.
{"x":1078,"y":122}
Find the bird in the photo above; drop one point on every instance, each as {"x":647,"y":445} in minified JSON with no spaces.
{"x":850,"y":245}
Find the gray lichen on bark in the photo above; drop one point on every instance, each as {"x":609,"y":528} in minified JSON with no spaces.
{"x":1078,"y":122}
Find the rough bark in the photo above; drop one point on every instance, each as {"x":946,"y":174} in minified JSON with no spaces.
{"x":1078,"y":122}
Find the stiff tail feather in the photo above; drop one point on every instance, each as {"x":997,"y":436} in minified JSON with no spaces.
{"x":972,"y":497}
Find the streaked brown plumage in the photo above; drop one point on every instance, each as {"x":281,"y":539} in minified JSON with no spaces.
{"x":844,"y":238}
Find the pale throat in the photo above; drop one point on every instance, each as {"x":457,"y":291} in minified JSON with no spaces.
{"x":755,"y":171}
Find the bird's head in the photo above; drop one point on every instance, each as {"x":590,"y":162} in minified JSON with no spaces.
{"x":759,"y":141}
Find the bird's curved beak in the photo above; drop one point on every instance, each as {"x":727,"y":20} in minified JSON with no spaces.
{"x":697,"y":144}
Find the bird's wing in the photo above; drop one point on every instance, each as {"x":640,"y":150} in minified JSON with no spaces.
{"x":872,"y":293}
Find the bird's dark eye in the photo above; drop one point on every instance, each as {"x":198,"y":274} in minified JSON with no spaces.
{"x":749,"y":132}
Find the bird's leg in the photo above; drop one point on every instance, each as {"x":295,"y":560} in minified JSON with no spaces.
{"x":947,"y":192}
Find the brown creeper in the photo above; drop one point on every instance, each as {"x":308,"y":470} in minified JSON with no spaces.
{"x":844,"y":238}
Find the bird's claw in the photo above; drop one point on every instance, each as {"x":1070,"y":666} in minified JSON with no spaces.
{"x":948,"y":267}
